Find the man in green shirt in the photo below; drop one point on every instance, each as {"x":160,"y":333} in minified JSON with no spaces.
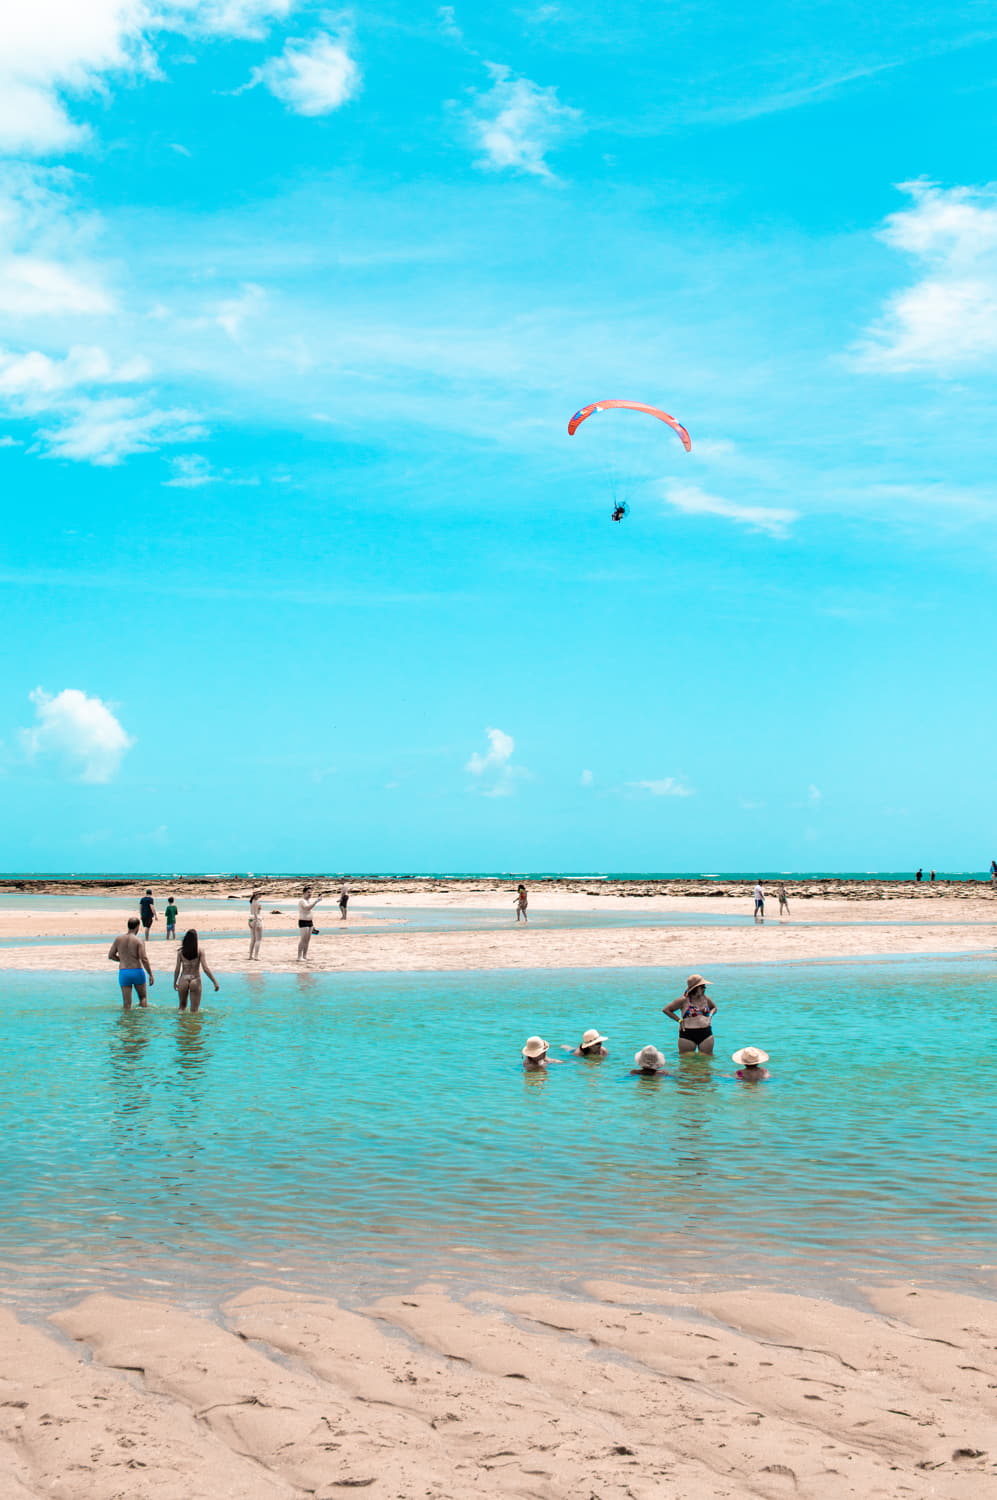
{"x":171,"y":917}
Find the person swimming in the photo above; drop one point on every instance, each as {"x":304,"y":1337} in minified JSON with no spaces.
{"x":589,"y":1046}
{"x":650,"y":1064}
{"x":694,"y":1012}
{"x":750,"y":1064}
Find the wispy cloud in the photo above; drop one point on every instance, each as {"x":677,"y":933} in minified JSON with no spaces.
{"x":313,"y":77}
{"x":667,"y":786}
{"x":945,"y":321}
{"x":516,"y":123}
{"x":107,"y":429}
{"x":774,"y":521}
{"x":586,"y":778}
{"x":494,"y":769}
{"x":80,"y":732}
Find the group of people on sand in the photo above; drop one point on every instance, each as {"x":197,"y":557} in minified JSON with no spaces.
{"x":693,"y":1010}
{"x":761,"y":896}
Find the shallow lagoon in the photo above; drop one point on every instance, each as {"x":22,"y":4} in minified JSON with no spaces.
{"x":338,"y":1131}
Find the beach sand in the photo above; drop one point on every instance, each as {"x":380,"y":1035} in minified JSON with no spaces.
{"x":939,"y":924}
{"x":620,"y":1391}
{"x":624,"y":1391}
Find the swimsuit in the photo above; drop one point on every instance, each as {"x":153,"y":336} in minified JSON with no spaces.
{"x":309,"y":923}
{"x":695,"y":1033}
{"x":131,"y":976}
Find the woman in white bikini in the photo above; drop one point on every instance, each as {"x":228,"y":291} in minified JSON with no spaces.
{"x":187,"y":974}
{"x":255,"y":925}
{"x":694,"y":1012}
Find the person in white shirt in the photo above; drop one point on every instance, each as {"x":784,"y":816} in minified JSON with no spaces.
{"x":306,"y":926}
{"x":759,"y":903}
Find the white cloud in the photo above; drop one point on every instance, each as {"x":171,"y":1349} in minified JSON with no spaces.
{"x":106,"y":429}
{"x":313,"y":77}
{"x":947,"y":320}
{"x":668,"y":786}
{"x":51,"y":48}
{"x":233,"y":314}
{"x":693,"y":501}
{"x":81,"y":731}
{"x":586,"y":778}
{"x":495,"y":766}
{"x":36,"y":377}
{"x":516,"y":122}
{"x":814,"y":796}
{"x":190,"y":471}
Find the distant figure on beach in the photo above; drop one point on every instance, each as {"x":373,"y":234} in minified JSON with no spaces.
{"x":147,"y":912}
{"x":535,"y":1057}
{"x":931,"y":876}
{"x":255,"y":925}
{"x":694,"y":1012}
{"x":344,"y":901}
{"x":759,"y":902}
{"x":522,"y":901}
{"x":783,"y":901}
{"x":170,"y":915}
{"x":993,"y":872}
{"x":750,"y":1064}
{"x":589,"y":1046}
{"x":650,"y":1064}
{"x":187,"y":974}
{"x":128,"y":952}
{"x":306,"y":926}
{"x":919,"y":875}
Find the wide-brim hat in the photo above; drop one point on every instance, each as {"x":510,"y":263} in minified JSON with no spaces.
{"x":535,"y":1046}
{"x":591,"y":1037}
{"x":695,"y":982}
{"x":649,"y":1057}
{"x":749,"y":1057}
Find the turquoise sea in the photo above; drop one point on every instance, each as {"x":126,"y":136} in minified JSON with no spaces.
{"x":345,"y":1131}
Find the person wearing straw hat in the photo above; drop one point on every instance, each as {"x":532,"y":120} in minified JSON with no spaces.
{"x":751,"y":1064}
{"x":650,"y":1063}
{"x":535,"y":1059}
{"x":589,"y":1046}
{"x":694,"y":1012}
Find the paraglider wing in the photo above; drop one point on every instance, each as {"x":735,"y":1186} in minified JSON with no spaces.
{"x":652,"y":411}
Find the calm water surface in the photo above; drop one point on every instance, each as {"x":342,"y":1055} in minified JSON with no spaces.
{"x":336,"y":1131}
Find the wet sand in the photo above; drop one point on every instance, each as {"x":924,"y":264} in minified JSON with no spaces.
{"x":621,"y":1392}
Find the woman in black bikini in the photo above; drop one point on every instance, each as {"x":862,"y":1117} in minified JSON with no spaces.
{"x":694,"y":1012}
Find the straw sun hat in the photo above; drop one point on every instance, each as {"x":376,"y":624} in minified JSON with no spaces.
{"x":591,"y":1037}
{"x":535,"y":1047}
{"x":649,"y":1057}
{"x":695,"y":982}
{"x":749,"y":1057}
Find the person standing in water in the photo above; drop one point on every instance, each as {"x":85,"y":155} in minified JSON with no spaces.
{"x":128,"y":952}
{"x":344,"y":901}
{"x":522,"y":902}
{"x":255,"y":925}
{"x":170,"y":915}
{"x":783,"y":901}
{"x":147,"y":912}
{"x":306,"y":925}
{"x":694,"y":1012}
{"x":187,"y":974}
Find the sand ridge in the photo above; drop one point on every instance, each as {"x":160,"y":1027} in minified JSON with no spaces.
{"x":624,"y":1393}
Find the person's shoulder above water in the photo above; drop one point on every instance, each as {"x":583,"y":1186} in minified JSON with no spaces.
{"x":591,"y":1045}
{"x":534,"y":1055}
{"x":650,"y":1063}
{"x":751,"y":1064}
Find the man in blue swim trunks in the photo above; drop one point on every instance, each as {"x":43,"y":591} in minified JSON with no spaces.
{"x":128,"y":952}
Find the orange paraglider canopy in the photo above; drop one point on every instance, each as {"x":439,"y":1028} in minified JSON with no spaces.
{"x":651,"y":411}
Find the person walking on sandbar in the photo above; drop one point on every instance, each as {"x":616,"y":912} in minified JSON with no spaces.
{"x":306,"y":926}
{"x":759,"y":902}
{"x":255,"y":925}
{"x":147,"y":911}
{"x":783,"y":901}
{"x":344,"y":901}
{"x":128,"y":952}
{"x":522,"y":902}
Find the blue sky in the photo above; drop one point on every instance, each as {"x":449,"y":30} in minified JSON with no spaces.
{"x":300,"y":568}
